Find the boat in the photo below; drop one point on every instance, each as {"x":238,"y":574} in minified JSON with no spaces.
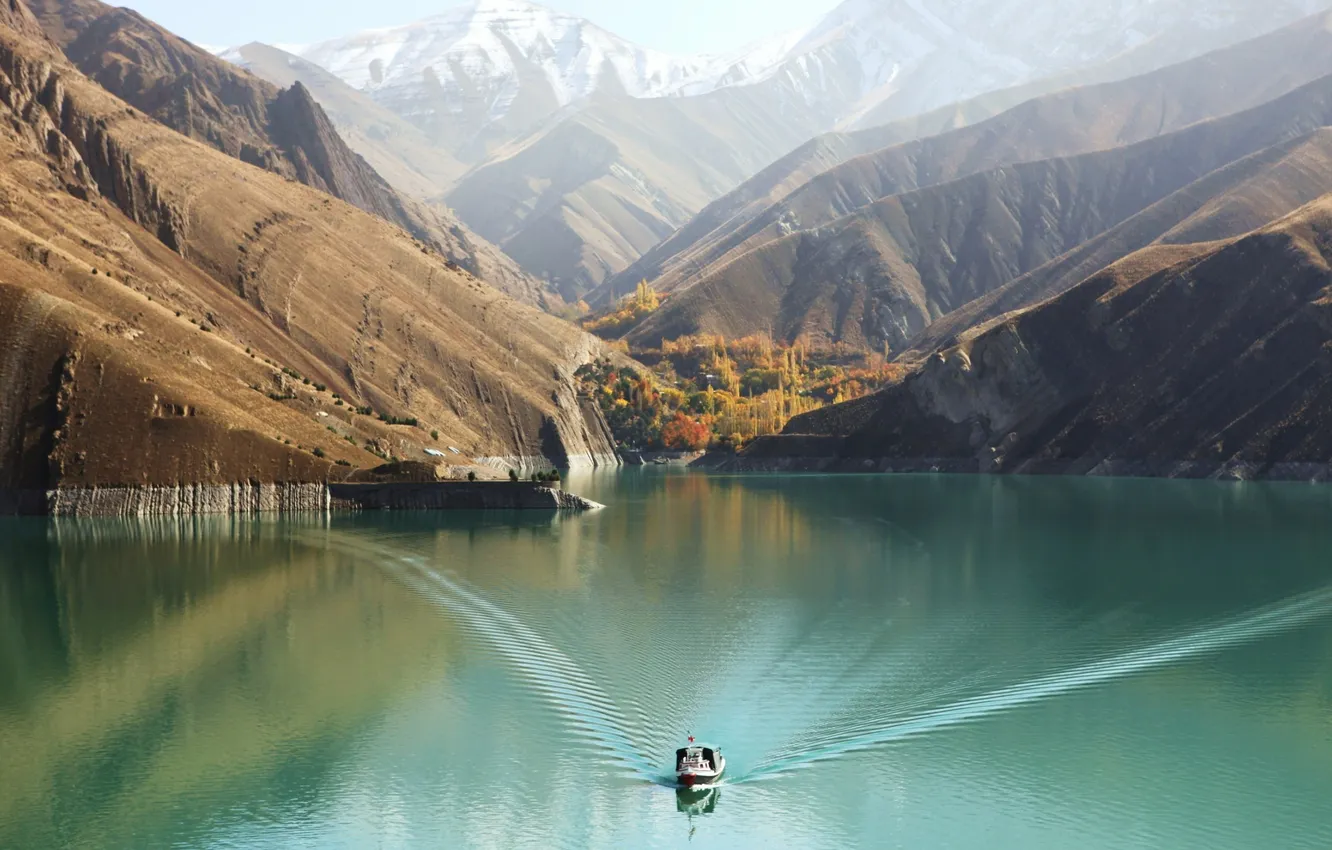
{"x":698,"y":764}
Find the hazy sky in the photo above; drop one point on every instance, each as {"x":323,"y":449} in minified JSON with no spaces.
{"x":681,"y":26}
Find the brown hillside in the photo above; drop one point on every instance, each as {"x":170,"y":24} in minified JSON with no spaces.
{"x":787,"y":197}
{"x":148,"y":277}
{"x":403,"y":156}
{"x":1230,"y":202}
{"x":1219,"y":364}
{"x":880,"y":276}
{"x":283,"y":131}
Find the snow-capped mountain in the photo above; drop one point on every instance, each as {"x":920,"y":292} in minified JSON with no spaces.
{"x":517,"y":62}
{"x":569,"y":135}
{"x":924,"y":54}
{"x":494,"y":47}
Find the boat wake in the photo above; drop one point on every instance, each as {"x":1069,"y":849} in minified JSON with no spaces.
{"x":583,"y":705}
{"x":833,"y":716}
{"x":1284,"y":616}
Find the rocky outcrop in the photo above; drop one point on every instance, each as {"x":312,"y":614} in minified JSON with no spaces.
{"x":83,"y":148}
{"x":254,"y":499}
{"x":16,"y":15}
{"x":187,"y":500}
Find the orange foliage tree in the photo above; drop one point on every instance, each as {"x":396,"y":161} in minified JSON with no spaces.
{"x":685,"y":434}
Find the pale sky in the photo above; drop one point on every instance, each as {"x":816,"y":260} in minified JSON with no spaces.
{"x":678,"y":26}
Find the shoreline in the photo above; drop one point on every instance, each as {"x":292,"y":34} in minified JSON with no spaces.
{"x":1088,"y":467}
{"x":253,"y":499}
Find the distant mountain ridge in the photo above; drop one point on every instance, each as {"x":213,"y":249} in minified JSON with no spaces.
{"x":505,"y":56}
{"x":829,"y":228}
{"x":510,"y":89}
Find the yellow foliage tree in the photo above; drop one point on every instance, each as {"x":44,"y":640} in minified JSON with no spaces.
{"x":645,"y":297}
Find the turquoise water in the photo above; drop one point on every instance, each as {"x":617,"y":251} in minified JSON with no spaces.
{"x":886,"y":662}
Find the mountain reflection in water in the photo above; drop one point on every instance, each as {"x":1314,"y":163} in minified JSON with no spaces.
{"x":955,"y":661}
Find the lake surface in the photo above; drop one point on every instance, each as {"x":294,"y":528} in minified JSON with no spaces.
{"x":886,"y":662}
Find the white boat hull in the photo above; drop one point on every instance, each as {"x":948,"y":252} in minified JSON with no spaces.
{"x":694,"y":777}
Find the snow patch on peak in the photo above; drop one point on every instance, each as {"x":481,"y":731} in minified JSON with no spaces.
{"x":496,"y":44}
{"x":512,"y":59}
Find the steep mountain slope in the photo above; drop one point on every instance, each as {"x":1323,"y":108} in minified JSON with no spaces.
{"x":157,"y":288}
{"x":1225,"y":204}
{"x":788,"y":196}
{"x":1218,"y":364}
{"x":494,"y":82}
{"x":400,"y":152}
{"x":584,"y":197}
{"x":283,"y":131}
{"x":880,"y":276}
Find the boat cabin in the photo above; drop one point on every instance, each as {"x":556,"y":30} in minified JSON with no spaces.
{"x":695,"y":758}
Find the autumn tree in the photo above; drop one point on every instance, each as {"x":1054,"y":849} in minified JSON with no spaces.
{"x":645,"y":297}
{"x":685,"y":434}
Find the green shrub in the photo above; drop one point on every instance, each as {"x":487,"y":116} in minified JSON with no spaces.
{"x":513,"y":475}
{"x":471,"y":476}
{"x":342,"y":463}
{"x":319,"y":453}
